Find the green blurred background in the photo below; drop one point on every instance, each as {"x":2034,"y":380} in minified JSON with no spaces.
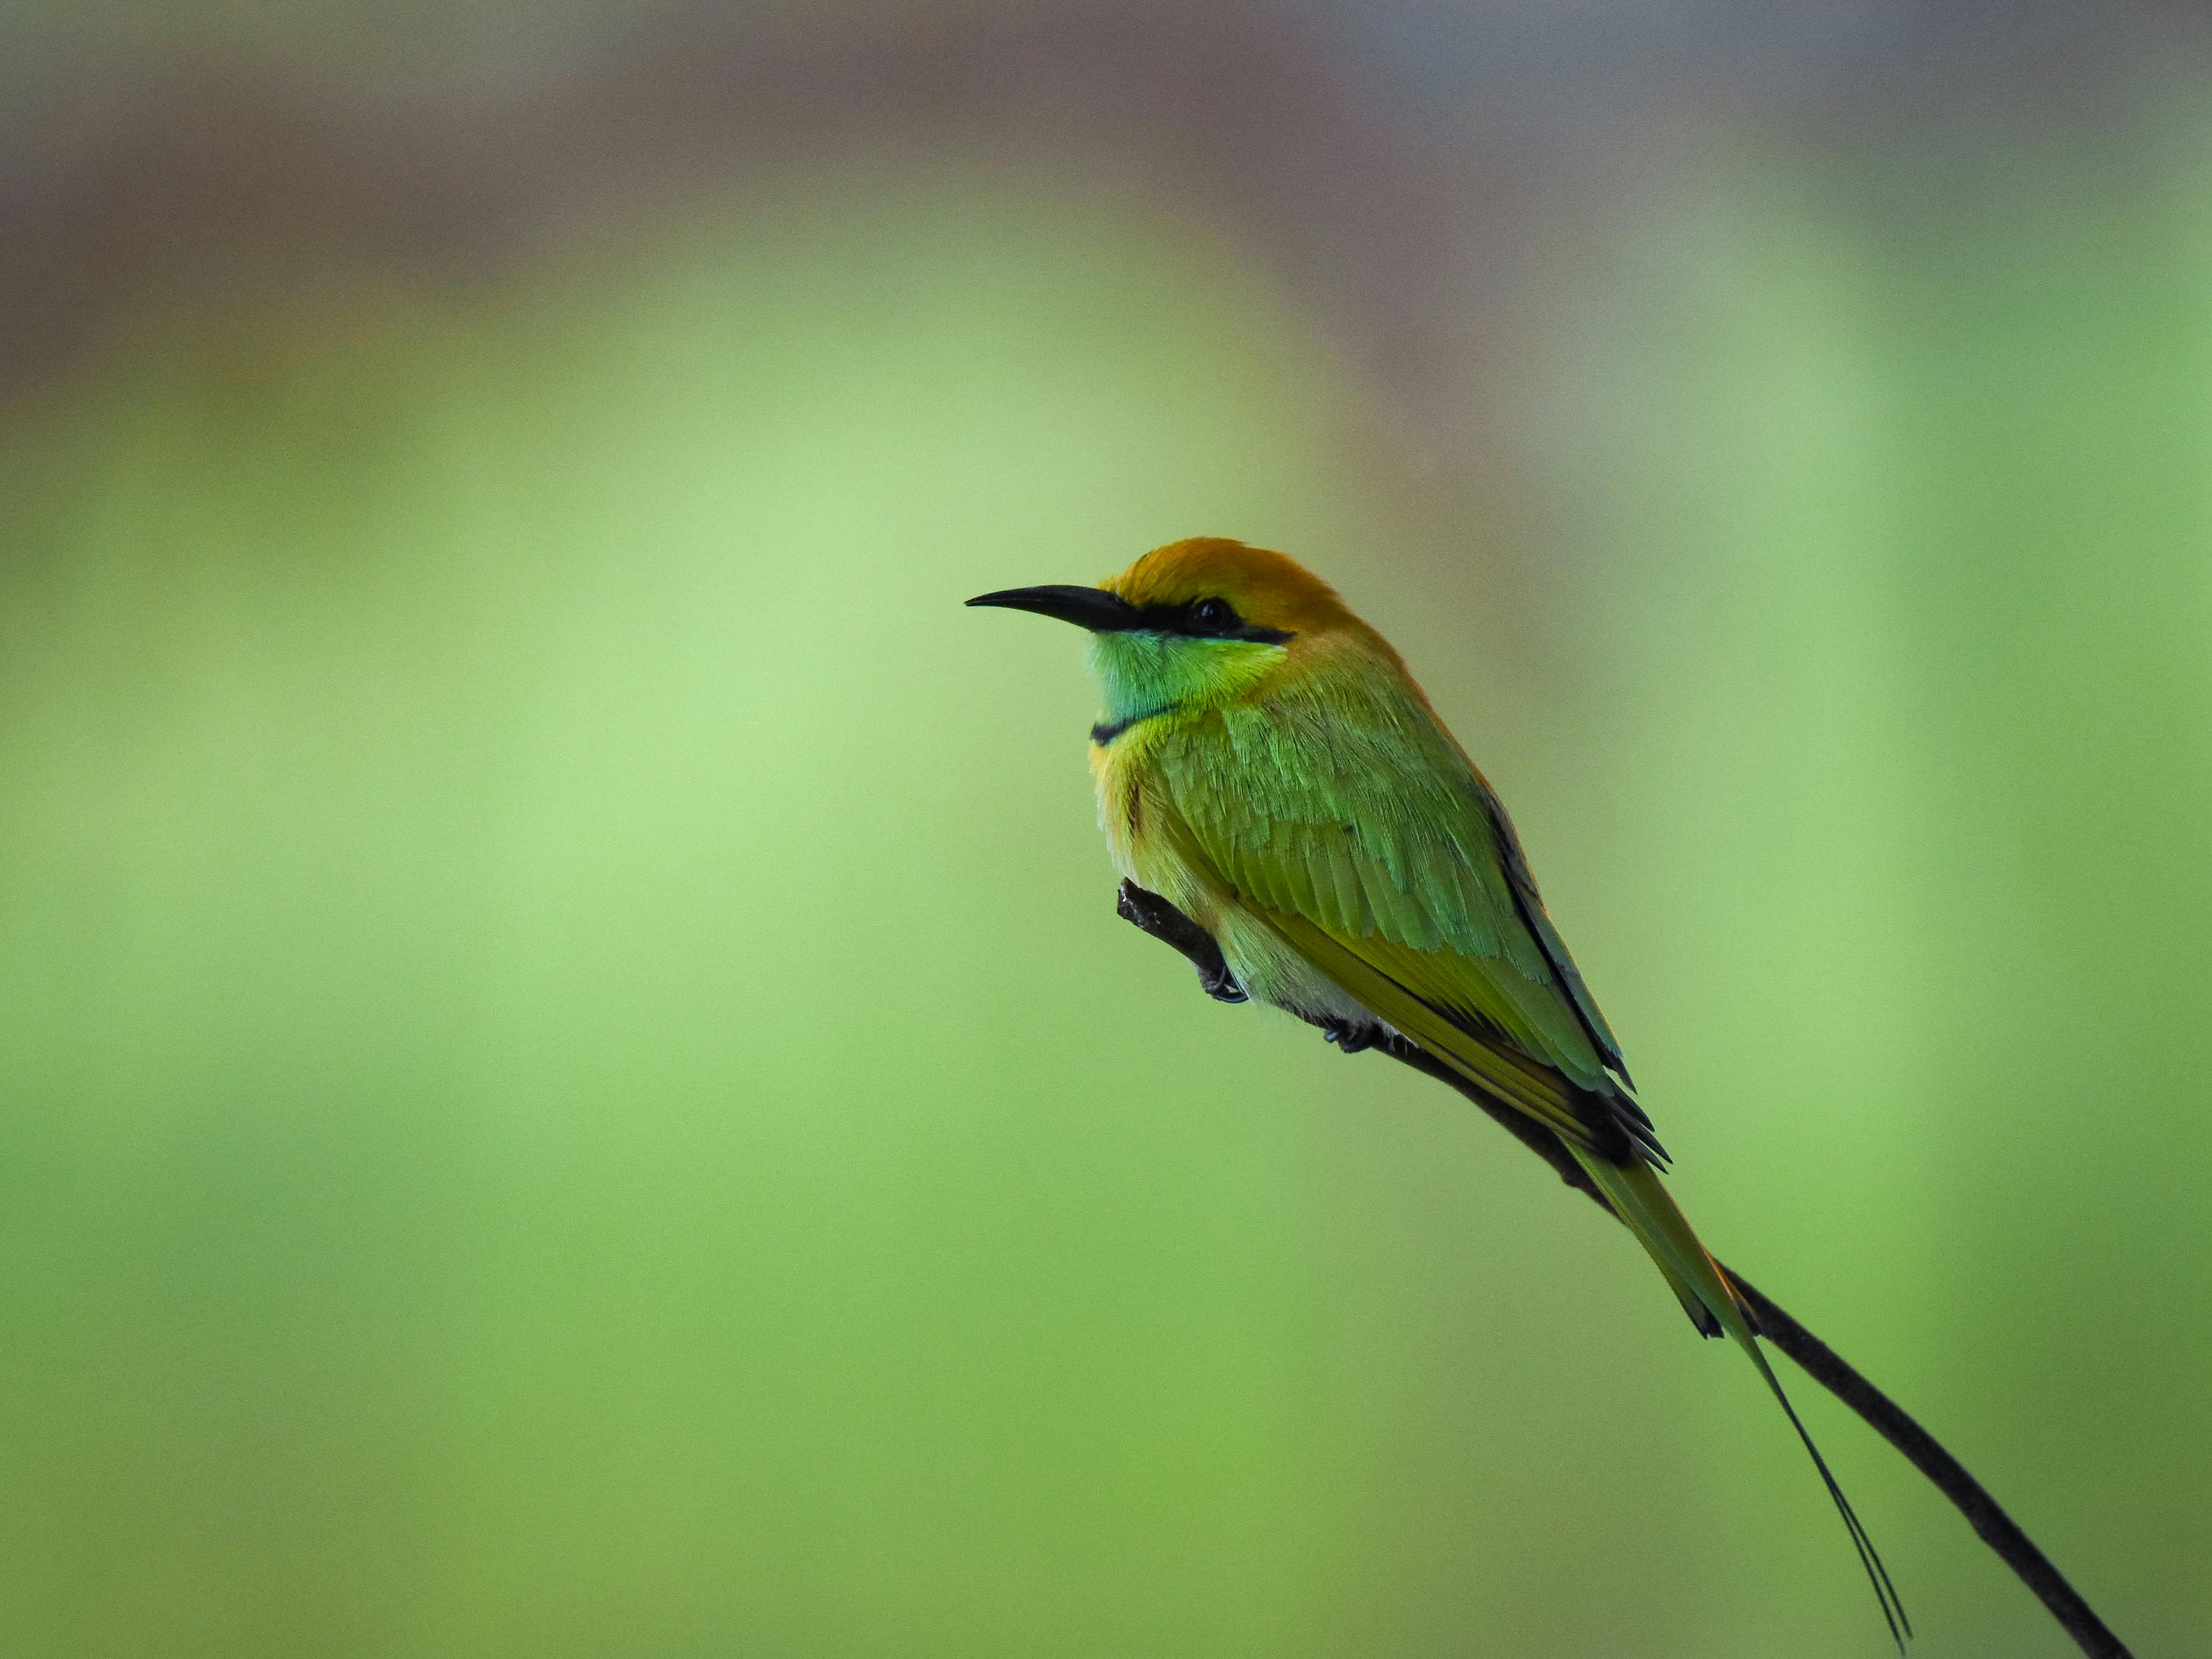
{"x":570,"y":1083}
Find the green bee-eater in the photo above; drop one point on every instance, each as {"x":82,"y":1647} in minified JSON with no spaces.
{"x":1266,"y":764}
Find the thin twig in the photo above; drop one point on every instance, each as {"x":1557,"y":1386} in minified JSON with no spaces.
{"x":1156,"y":916}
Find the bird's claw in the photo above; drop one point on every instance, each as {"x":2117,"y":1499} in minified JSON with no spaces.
{"x":1349,"y":1039}
{"x":1222,"y":987}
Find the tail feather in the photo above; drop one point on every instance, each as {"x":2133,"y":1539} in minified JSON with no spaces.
{"x":1640,"y":1200}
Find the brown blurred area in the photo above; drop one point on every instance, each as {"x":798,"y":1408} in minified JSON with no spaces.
{"x":1392,"y":161}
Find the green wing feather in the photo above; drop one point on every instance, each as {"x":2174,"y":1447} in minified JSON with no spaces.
{"x":1347,"y":819}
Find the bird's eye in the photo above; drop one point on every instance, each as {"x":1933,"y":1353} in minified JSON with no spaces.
{"x":1215,"y":614}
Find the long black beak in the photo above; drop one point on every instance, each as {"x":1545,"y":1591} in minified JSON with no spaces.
{"x":1093,"y":608}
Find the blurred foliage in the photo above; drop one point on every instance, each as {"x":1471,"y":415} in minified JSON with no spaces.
{"x":573,"y":1087}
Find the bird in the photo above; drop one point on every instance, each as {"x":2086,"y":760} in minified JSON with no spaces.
{"x":1266,"y":764}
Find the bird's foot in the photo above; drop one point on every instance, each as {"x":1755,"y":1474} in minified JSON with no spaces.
{"x":1221,"y":985}
{"x":1350,"y":1039}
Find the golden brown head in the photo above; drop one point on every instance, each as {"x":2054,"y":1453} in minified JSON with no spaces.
{"x":1269,"y":593}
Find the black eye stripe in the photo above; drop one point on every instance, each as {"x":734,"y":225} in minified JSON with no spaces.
{"x":1218,"y":620}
